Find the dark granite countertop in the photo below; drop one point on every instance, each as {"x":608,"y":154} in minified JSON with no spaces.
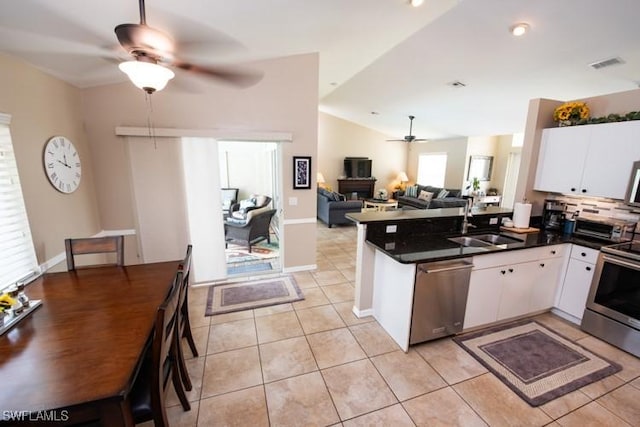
{"x":416,"y":214}
{"x":422,"y":235}
{"x":437,"y":247}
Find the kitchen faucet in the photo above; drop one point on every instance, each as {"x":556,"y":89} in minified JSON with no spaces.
{"x":467,"y":214}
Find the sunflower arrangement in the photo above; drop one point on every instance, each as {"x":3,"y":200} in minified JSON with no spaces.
{"x":571,"y":112}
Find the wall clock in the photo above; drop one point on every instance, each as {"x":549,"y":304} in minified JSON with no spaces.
{"x":62,"y":164}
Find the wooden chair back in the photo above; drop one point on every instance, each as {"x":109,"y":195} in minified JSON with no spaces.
{"x":163,"y":351}
{"x":147,"y":399}
{"x":184,"y":329}
{"x":94,"y":245}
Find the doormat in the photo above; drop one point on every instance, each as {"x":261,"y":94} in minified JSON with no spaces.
{"x":537,"y":364}
{"x":230,"y":297}
{"x":260,"y":250}
{"x":248,"y":268}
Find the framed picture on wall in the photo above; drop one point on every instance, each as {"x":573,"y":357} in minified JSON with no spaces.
{"x":301,"y":172}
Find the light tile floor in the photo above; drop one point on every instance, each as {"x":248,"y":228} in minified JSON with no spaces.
{"x":314,"y":363}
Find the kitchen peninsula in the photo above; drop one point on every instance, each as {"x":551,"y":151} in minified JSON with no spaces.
{"x":516,"y":275}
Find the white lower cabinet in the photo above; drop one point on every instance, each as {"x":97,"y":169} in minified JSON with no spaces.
{"x":483,"y":299}
{"x":577,"y":281}
{"x":503,"y":291}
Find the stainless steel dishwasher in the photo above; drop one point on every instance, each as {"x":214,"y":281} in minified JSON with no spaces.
{"x":439,"y":299}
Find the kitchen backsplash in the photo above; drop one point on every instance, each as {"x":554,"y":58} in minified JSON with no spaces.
{"x":607,"y":208}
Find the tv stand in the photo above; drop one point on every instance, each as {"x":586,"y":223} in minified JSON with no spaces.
{"x":362,"y":186}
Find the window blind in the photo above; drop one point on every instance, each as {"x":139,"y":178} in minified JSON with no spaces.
{"x":17,"y":255}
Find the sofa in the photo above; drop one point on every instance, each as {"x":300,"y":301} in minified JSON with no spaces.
{"x":332,"y":206}
{"x":453,"y":199}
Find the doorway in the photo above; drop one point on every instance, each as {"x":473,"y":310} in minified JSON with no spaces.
{"x":251,"y":168}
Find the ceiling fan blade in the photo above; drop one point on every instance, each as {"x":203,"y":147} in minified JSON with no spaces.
{"x":142,"y":38}
{"x":233,"y":76}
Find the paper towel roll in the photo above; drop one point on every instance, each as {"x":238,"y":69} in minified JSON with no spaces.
{"x":521,"y":215}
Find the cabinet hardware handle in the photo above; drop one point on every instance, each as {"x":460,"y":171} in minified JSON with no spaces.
{"x":502,"y":272}
{"x":588,"y":268}
{"x":583,"y":254}
{"x":584,"y":190}
{"x":573,"y":189}
{"x":511,"y":270}
{"x":553,"y":252}
{"x":542,"y":265}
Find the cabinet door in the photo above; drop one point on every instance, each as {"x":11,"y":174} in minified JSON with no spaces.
{"x":612,"y":150}
{"x":545,"y":285}
{"x":516,"y":291}
{"x":485,"y":287}
{"x":561,"y":161}
{"x":575,"y":288}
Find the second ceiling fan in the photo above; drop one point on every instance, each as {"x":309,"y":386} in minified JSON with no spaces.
{"x":410,"y":137}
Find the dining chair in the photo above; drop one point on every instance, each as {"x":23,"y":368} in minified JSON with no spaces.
{"x":184,"y":328}
{"x":159,"y":368}
{"x":94,"y":245}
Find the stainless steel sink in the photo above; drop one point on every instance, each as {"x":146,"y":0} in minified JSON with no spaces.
{"x":469,"y":241}
{"x":496,"y":239}
{"x":484,"y":240}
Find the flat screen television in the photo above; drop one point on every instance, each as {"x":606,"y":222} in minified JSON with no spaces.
{"x":357,"y":167}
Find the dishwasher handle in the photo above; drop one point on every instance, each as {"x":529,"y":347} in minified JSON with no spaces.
{"x":440,"y":267}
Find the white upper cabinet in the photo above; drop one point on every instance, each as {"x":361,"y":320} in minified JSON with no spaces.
{"x":613,"y":149}
{"x":563,"y":152}
{"x":590,"y":160}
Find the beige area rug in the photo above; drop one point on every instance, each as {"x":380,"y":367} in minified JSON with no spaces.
{"x":536,"y":363}
{"x":230,"y":297}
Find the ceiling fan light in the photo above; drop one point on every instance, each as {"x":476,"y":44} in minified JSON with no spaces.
{"x":519,"y":29}
{"x":146,"y":75}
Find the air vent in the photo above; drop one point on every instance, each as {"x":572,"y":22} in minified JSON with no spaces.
{"x":457,"y":83}
{"x":606,"y":63}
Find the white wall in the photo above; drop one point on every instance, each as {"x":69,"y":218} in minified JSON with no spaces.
{"x":338,"y":138}
{"x":456,"y":149}
{"x":286,"y":100}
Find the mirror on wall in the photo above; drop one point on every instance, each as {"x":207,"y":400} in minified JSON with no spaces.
{"x":480,"y":167}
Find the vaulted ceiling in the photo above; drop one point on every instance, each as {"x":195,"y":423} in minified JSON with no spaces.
{"x":376,"y":56}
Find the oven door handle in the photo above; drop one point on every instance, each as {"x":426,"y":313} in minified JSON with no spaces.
{"x":621,"y":262}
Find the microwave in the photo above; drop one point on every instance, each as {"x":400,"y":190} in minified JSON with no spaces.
{"x":633,"y":190}
{"x":609,"y":229}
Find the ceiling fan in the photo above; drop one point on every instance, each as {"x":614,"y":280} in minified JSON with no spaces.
{"x":153,"y":51}
{"x":410,"y":137}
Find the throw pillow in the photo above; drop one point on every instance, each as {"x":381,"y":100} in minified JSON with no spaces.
{"x":248,"y":203}
{"x":425,"y":195}
{"x":412,"y":191}
{"x":442,"y":194}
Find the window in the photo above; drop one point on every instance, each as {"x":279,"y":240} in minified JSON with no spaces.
{"x":432,"y":168}
{"x":17,"y":255}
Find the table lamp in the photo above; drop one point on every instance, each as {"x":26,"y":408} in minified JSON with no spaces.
{"x":403,"y":178}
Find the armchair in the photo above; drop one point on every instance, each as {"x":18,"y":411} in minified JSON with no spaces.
{"x":254,"y":230}
{"x":229,"y":197}
{"x":255,"y":202}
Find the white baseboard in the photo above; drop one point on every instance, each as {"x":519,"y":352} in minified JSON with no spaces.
{"x":299,"y":268}
{"x":362,"y":313}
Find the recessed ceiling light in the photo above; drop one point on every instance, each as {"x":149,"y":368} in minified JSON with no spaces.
{"x":416,"y":3}
{"x":519,"y":29}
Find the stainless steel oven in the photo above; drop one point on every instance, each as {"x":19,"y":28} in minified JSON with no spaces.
{"x":613,"y":305}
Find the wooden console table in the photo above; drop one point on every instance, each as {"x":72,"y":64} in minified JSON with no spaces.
{"x":362,"y":186}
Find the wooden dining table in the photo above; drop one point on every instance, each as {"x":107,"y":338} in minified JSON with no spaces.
{"x":75,"y":358}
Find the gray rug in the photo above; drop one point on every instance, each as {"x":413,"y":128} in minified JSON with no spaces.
{"x":230,"y":297}
{"x":536,"y":363}
{"x":248,"y":268}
